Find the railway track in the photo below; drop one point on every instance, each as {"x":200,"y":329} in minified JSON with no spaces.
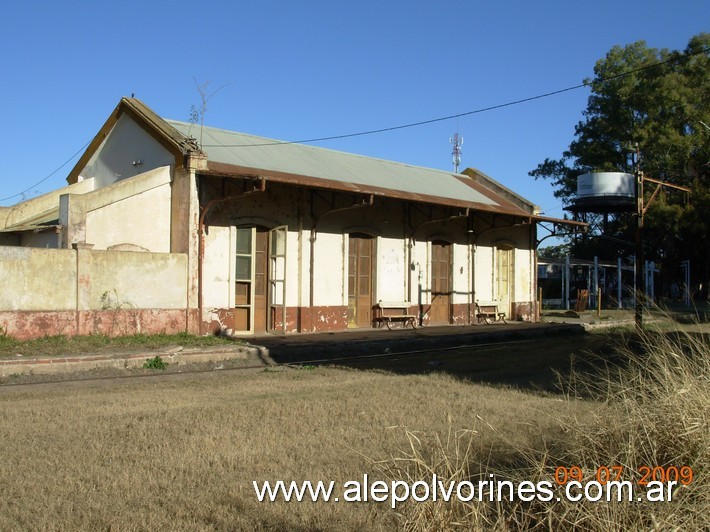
{"x":331,"y":360}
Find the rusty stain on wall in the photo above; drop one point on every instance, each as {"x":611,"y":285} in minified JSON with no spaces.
{"x":26,"y":325}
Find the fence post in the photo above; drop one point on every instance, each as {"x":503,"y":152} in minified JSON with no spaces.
{"x":599,"y":302}
{"x":619,"y":293}
{"x":566,"y":282}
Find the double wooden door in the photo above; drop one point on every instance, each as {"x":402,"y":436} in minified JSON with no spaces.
{"x":260,"y":280}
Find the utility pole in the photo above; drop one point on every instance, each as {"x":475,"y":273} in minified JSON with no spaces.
{"x":639,"y":241}
{"x":641,"y":208}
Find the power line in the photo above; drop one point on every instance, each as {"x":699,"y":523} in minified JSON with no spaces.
{"x":395,"y":128}
{"x":405,"y":126}
{"x":467,"y":113}
{"x":50,"y":175}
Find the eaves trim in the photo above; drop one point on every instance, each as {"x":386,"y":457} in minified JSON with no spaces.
{"x":232,"y":171}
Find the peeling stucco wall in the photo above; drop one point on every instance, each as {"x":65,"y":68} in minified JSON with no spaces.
{"x":142,"y":219}
{"x":392,"y":268}
{"x":460,"y":275}
{"x":59,"y":291}
{"x":218,"y":268}
{"x":37,"y":279}
{"x":46,"y":203}
{"x":137,"y":212}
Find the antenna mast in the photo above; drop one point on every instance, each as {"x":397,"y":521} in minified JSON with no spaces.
{"x":456,"y":152}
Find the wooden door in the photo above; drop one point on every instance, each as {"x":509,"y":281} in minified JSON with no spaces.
{"x":360,"y":273}
{"x":260,"y":280}
{"x":277,"y":279}
{"x":244,"y":279}
{"x":250,"y":288}
{"x":504,"y":279}
{"x":440,"y":311}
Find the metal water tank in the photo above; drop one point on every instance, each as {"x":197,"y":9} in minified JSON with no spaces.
{"x":605,"y":191}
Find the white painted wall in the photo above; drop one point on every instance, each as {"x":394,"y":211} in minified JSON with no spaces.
{"x":218,"y":270}
{"x":420,"y":275}
{"x":127,"y":143}
{"x":142,"y":220}
{"x":47,"y":279}
{"x":460,"y":274}
{"x":37,"y":279}
{"x":292,"y":268}
{"x":140,"y":280}
{"x":391,"y":270}
{"x":392,"y":262}
{"x":46,"y":203}
{"x":484,"y":273}
{"x":329,"y":282}
{"x":523,"y":275}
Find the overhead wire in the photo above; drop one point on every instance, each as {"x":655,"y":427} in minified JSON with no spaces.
{"x":50,"y":175}
{"x":466,"y":113}
{"x":411,"y":124}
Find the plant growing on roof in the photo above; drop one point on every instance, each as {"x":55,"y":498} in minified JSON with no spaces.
{"x":197,"y":114}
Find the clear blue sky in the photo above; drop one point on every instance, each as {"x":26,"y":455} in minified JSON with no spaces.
{"x":303,"y":69}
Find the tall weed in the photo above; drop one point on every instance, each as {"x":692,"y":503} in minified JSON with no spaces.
{"x":650,"y":407}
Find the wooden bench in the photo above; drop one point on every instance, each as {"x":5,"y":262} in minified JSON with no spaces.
{"x":388,"y":312}
{"x":487,"y":312}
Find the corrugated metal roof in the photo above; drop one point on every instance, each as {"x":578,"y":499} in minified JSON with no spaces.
{"x":268,"y":155}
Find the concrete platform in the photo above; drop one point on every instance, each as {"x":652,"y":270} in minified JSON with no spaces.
{"x":268,"y":350}
{"x":246,"y":355}
{"x":320,"y":347}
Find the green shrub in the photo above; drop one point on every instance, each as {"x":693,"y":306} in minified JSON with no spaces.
{"x":155,"y":363}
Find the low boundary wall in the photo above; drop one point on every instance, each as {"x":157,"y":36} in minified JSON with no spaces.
{"x":81,"y":291}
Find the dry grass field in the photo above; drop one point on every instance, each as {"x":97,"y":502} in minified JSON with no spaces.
{"x":181,"y":452}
